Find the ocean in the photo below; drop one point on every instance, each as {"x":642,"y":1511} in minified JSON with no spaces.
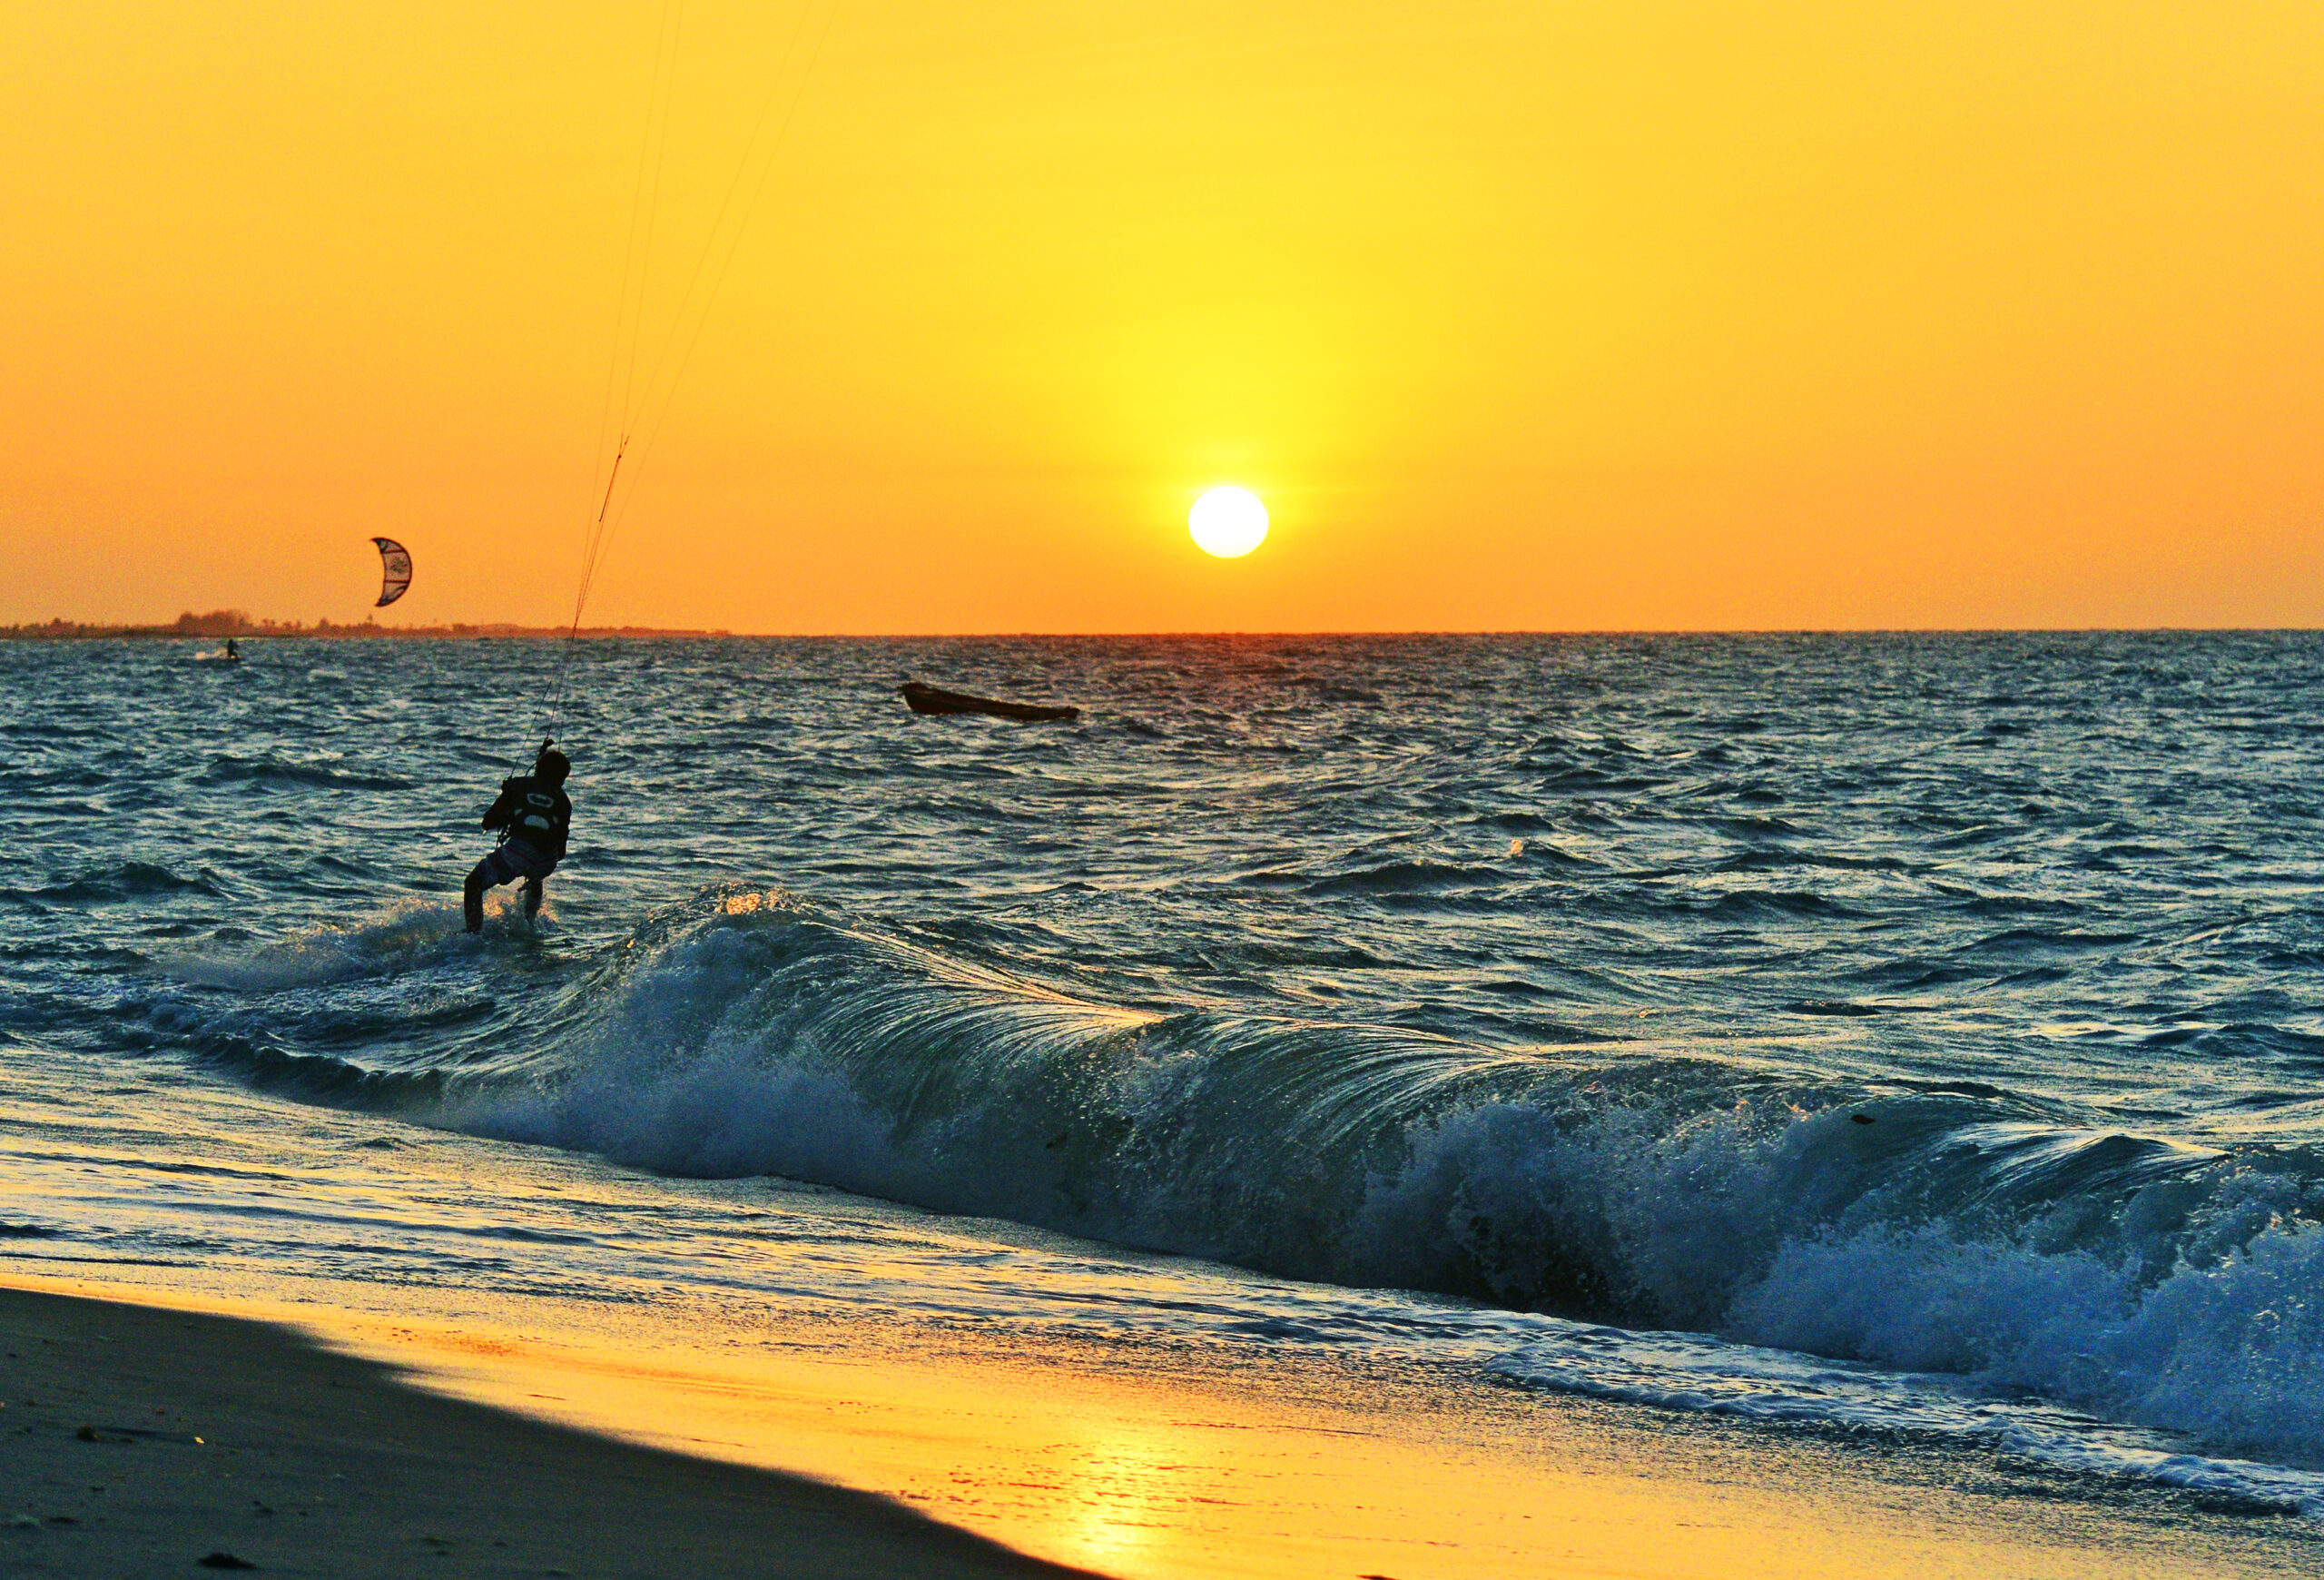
{"x":1911,"y":1037}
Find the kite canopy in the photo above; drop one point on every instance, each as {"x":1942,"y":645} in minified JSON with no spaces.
{"x":395,"y":571}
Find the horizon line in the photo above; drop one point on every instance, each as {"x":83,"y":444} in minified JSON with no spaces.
{"x":61,"y":629}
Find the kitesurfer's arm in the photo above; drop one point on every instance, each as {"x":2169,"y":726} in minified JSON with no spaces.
{"x":496,"y":816}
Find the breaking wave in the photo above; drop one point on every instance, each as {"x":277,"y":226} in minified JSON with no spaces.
{"x":409,"y":936}
{"x":1952,"y":1230}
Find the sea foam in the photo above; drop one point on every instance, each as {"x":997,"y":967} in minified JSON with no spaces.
{"x":1957,"y":1235}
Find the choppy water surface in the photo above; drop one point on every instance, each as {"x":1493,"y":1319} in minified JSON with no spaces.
{"x":1913,"y":1033}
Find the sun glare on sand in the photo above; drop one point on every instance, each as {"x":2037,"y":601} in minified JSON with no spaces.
{"x":1228,"y":522}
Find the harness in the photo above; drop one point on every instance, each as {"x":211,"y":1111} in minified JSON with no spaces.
{"x":539,"y":816}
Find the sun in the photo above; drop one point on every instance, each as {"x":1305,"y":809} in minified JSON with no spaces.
{"x":1228,"y":522}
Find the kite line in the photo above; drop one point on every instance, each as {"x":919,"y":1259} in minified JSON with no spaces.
{"x":633,"y":425}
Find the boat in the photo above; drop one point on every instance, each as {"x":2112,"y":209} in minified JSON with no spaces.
{"x":931,"y":699}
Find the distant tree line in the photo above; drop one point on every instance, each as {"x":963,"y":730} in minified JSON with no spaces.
{"x":238,"y":623}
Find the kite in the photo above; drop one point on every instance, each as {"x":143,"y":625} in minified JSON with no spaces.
{"x":395,"y":571}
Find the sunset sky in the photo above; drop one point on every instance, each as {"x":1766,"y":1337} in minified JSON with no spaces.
{"x":1518,"y":316}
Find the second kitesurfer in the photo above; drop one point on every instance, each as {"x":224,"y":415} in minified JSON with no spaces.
{"x":534,"y":819}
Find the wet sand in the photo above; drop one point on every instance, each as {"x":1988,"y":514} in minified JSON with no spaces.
{"x":142,"y":1441}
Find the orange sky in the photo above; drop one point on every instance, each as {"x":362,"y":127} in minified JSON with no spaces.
{"x":1532,"y":315}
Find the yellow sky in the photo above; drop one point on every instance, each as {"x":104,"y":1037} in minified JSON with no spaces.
{"x":1529,"y":315}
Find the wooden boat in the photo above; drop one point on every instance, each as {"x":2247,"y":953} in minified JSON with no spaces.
{"x":929,"y":699}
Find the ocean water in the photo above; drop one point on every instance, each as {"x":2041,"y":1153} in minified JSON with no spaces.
{"x":1909,"y":1035}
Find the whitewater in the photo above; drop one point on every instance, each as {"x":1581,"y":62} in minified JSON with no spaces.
{"x":1912,"y":1036}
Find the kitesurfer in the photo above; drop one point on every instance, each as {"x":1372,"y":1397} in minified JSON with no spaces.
{"x":534,"y":817}
{"x":233,"y":653}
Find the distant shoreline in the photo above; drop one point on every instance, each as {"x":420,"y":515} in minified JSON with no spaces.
{"x":223,"y":623}
{"x":234,"y":623}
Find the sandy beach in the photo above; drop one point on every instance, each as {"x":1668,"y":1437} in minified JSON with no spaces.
{"x":142,"y":1440}
{"x":503,"y":1452}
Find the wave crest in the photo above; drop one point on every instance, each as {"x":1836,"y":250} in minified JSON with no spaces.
{"x":1965,"y":1231}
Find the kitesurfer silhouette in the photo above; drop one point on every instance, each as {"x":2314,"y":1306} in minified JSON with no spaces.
{"x":534,"y":817}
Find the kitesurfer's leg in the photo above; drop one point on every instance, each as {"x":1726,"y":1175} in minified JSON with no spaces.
{"x":472,"y":895}
{"x":532,"y":897}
